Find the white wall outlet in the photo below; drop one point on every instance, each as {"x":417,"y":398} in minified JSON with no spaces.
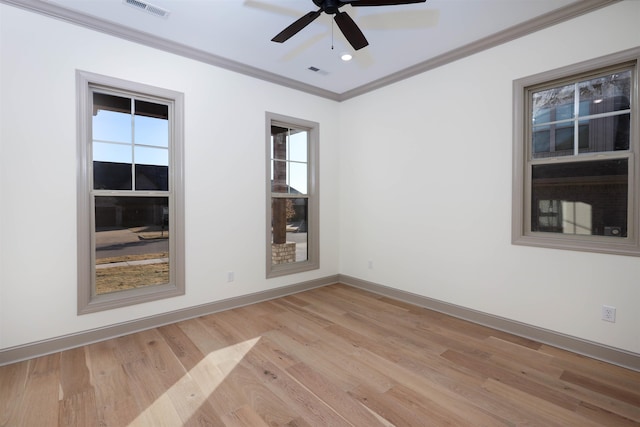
{"x":231,"y":276}
{"x":370,"y":265}
{"x":608,"y":313}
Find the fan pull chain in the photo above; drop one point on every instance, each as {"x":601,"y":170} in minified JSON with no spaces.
{"x":332,"y":25}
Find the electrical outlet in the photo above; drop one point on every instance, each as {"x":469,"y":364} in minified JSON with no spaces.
{"x":370,"y":265}
{"x":230,"y":276}
{"x":608,"y":313}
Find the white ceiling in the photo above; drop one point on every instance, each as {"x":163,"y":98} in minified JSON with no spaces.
{"x":236,"y":34}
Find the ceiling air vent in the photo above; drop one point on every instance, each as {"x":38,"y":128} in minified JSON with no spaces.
{"x":147,"y":7}
{"x":318,"y":70}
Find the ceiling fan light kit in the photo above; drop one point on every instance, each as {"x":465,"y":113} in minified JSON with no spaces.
{"x":347,"y":26}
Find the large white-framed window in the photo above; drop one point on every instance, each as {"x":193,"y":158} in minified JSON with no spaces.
{"x":576,"y":157}
{"x":130,"y":193}
{"x":292,"y":195}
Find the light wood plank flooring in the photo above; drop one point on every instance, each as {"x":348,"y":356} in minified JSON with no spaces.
{"x":333,"y":356}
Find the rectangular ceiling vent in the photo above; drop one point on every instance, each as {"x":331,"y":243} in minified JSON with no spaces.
{"x":147,"y":7}
{"x":318,"y":70}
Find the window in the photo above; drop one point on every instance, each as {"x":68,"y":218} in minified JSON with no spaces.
{"x":130,"y":198}
{"x":292,"y":195}
{"x":576,"y":157}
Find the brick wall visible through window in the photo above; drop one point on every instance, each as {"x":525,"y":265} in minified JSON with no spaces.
{"x":292,"y":194}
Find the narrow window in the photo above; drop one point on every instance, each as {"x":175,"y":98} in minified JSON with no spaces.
{"x":576,"y":158}
{"x":130,"y":193}
{"x":292,"y":214}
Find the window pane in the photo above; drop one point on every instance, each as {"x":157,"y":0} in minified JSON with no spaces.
{"x":151,"y":156}
{"x":606,"y":94}
{"x":279,"y":142}
{"x":542,"y":116}
{"x":107,"y":152}
{"x":564,"y":138}
{"x":541,"y":140}
{"x":553,"y":104}
{"x":279,"y":159}
{"x":298,"y":146}
{"x":553,"y":140}
{"x":131,"y":242}
{"x":298,"y":178}
{"x":289,"y":230}
{"x":111,"y":176}
{"x":151,"y":129}
{"x":580,"y":198}
{"x":152,"y":178}
{"x":605,"y":133}
{"x":111,"y":118}
{"x":564,"y":111}
{"x":279,"y":176}
{"x":152,"y":170}
{"x":152,"y":109}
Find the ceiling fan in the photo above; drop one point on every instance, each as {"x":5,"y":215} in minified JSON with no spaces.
{"x":348,"y":27}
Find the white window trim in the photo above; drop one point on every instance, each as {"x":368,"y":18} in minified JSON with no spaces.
{"x":313,"y":219}
{"x":88,"y":301}
{"x":521,"y":233}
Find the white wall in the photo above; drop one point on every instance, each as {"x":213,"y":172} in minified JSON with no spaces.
{"x":425,"y":184}
{"x":224,"y":173}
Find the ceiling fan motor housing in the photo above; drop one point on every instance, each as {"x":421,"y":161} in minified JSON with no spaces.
{"x":329,"y":6}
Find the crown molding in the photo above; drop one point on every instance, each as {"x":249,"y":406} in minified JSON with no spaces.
{"x":544,"y":21}
{"x":120,"y":31}
{"x":539,"y":23}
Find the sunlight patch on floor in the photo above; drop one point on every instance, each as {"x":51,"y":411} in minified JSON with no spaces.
{"x":197,"y":385}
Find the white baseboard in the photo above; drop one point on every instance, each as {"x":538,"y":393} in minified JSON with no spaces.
{"x":594,"y":350}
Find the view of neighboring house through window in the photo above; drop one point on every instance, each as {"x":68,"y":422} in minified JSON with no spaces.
{"x":589,"y":116}
{"x":130,"y":153}
{"x":130,"y":149}
{"x":292,"y":191}
{"x":579,"y":161}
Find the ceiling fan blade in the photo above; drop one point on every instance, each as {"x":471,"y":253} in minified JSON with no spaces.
{"x":350,"y":30}
{"x":382,"y":2}
{"x":293,"y":29}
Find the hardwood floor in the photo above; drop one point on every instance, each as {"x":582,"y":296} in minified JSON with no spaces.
{"x":333,"y":356}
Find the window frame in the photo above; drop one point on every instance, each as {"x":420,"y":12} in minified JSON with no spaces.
{"x":521,"y":233}
{"x":313,"y":209}
{"x":88,"y":300}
